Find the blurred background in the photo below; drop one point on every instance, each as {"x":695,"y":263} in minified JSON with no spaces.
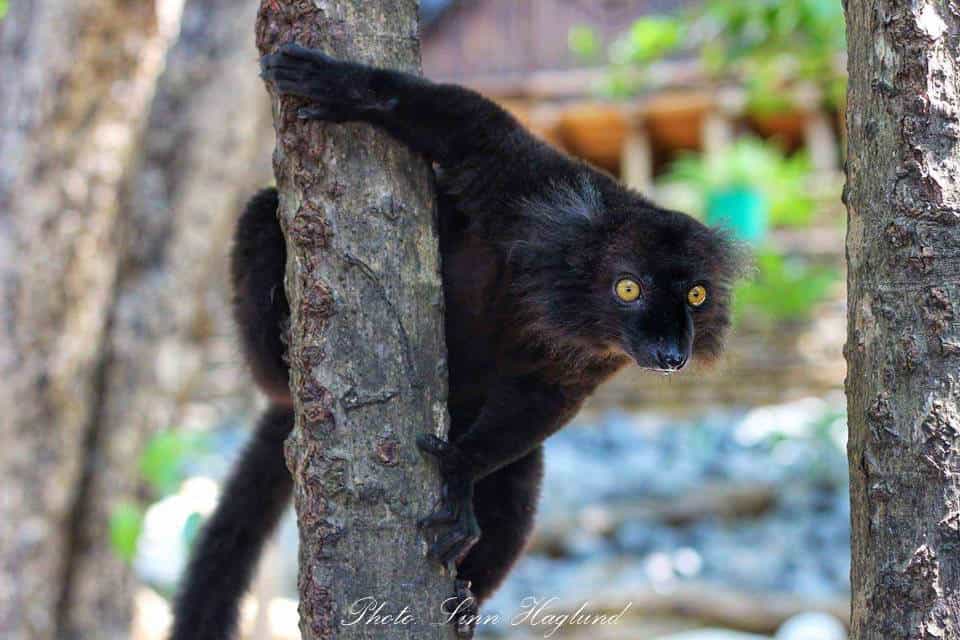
{"x":714,"y":502}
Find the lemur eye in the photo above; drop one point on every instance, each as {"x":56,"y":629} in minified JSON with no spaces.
{"x":628,"y":290}
{"x":697,"y":296}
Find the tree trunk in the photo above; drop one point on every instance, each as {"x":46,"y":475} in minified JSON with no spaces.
{"x":366,"y":339}
{"x":903,"y":347}
{"x":171,"y":359}
{"x":75,"y":79}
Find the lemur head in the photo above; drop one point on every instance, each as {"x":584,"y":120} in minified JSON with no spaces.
{"x":608,"y":270}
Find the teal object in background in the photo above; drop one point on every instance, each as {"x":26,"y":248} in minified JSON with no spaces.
{"x":742,"y":210}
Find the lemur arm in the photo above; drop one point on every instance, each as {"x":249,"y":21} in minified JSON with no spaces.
{"x":448,"y":123}
{"x":518,"y":415}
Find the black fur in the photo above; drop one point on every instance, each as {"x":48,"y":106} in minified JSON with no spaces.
{"x":260,"y":307}
{"x":226,"y":552}
{"x":533,"y":243}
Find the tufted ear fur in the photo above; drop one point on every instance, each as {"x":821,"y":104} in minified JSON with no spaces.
{"x":569,"y":202}
{"x":557,"y":221}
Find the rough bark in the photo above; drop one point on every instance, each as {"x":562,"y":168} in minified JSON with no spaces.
{"x":903,"y":246}
{"x":366,"y":340}
{"x":170,"y":357}
{"x":75,"y":78}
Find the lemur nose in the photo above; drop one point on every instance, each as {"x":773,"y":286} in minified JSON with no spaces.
{"x":671,"y":359}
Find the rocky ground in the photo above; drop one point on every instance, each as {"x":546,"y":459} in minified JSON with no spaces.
{"x":734,"y":518}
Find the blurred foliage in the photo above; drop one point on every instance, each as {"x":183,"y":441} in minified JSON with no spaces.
{"x":750,"y":163}
{"x":3,"y":9}
{"x":774,"y":43}
{"x":584,"y":43}
{"x":825,"y":436}
{"x":770,"y":45}
{"x":648,"y":40}
{"x":784,"y":289}
{"x":162,"y":468}
{"x":161,"y":463}
{"x":125,"y":524}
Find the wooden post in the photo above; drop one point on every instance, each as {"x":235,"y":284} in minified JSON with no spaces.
{"x":636,"y":166}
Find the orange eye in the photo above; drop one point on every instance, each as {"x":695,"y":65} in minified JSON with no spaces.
{"x":697,"y":296}
{"x":628,"y":290}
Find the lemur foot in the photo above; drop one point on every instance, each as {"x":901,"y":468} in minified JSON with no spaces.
{"x":456,"y":505}
{"x":464,"y":611}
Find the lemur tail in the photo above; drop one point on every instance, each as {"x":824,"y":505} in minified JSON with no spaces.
{"x":226,"y":552}
{"x":259,"y":486}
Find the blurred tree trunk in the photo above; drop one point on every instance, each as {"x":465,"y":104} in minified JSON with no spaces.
{"x":115,"y":312}
{"x":75,"y":79}
{"x":366,"y":344}
{"x":171,"y":357}
{"x":903,"y":346}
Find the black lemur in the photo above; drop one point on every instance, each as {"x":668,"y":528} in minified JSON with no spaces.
{"x":555,"y":276}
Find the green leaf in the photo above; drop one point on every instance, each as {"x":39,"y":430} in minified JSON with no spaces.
{"x":783,"y":289}
{"x":125,"y":525}
{"x":751,"y":163}
{"x":653,"y":38}
{"x":583,"y":42}
{"x":161,"y":462}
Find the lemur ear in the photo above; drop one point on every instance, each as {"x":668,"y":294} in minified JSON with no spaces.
{"x":569,"y":202}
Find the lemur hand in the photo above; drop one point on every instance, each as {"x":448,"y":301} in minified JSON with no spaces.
{"x":456,"y":507}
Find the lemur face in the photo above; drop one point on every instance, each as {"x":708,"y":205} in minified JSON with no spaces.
{"x":668,"y":281}
{"x":620,"y":275}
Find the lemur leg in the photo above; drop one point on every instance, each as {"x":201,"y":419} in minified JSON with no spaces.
{"x":448,"y":123}
{"x":260,"y":308}
{"x":505,"y":503}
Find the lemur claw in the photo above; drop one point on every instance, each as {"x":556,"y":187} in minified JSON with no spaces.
{"x":452,"y":547}
{"x":456,"y":507}
{"x":465,"y":620}
{"x":429,"y":443}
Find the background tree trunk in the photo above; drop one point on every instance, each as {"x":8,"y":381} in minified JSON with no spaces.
{"x":75,"y":79}
{"x":171,"y":358}
{"x":366,"y":343}
{"x":903,"y":347}
{"x":115,"y":298}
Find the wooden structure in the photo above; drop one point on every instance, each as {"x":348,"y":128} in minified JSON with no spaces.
{"x":517,"y":53}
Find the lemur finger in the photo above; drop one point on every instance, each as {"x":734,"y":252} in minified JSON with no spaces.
{"x":453,"y":546}
{"x":315,"y":113}
{"x":294,"y":50}
{"x":443,"y":516}
{"x":429,"y":443}
{"x":467,"y":609}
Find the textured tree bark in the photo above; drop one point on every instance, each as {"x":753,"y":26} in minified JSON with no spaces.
{"x":75,"y":79}
{"x":366,"y":339}
{"x":903,"y":346}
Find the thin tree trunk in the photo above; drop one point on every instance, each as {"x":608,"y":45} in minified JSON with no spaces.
{"x":75,"y":78}
{"x":903,"y":347}
{"x":170,"y":359}
{"x":366,"y":338}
